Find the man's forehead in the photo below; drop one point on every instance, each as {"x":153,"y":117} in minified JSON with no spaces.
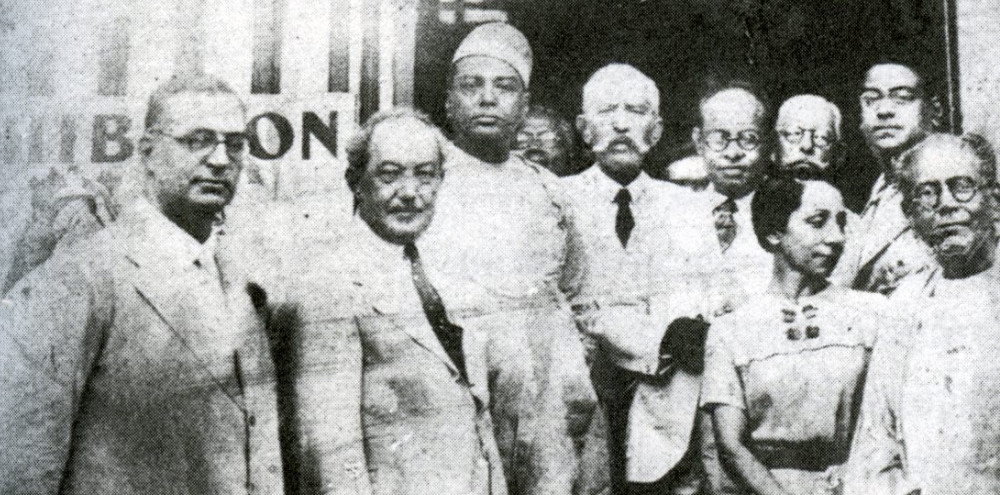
{"x":218,"y":111}
{"x":945,"y":161}
{"x":405,"y":140}
{"x":888,"y":76}
{"x":619,"y":90}
{"x":733,"y":108}
{"x":538,"y":123}
{"x":806,"y":116}
{"x":485,"y":67}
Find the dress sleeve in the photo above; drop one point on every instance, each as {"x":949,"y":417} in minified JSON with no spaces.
{"x":721,"y":382}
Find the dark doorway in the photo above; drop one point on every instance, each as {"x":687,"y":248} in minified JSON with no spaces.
{"x":788,"y":46}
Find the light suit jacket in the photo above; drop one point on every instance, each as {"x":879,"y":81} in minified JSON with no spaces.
{"x":118,"y":377}
{"x":375,"y":404}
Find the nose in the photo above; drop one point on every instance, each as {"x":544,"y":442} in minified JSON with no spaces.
{"x":884,"y":109}
{"x":488,"y":95}
{"x":808,"y":144}
{"x":408,"y":187}
{"x":835,"y":235}
{"x":620,"y":122}
{"x":733,"y":152}
{"x":219,"y":157}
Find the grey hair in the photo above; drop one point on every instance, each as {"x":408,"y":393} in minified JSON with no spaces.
{"x":358,"y":148}
{"x":975,"y":144}
{"x":810,"y":99}
{"x":613,"y":73}
{"x":181,"y":84}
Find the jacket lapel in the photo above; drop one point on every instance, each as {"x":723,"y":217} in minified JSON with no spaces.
{"x":173,"y":297}
{"x":411,"y":320}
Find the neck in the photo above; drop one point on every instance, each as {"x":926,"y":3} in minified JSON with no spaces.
{"x":197,"y":223}
{"x":621,"y":175}
{"x":793,"y":284}
{"x":974,"y":264}
{"x":489,"y":151}
{"x":738,"y":192}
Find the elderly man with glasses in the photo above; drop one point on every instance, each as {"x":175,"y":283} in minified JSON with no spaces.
{"x":929,"y":417}
{"x":809,"y":139}
{"x":733,"y":143}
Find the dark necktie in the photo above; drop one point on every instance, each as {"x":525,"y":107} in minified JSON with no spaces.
{"x":448,"y":334}
{"x":725,"y":223}
{"x":624,"y":221}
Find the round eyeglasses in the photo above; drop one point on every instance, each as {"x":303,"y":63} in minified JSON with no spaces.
{"x":928,"y":194}
{"x":719,"y":140}
{"x":794,"y":135}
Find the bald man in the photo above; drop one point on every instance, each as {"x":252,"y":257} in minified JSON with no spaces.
{"x":732,"y":139}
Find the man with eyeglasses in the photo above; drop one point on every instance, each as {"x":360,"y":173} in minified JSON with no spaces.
{"x":930,"y":406}
{"x":134,"y":362}
{"x":809,"y":141}
{"x":734,"y":144}
{"x":897,"y":111}
{"x":546,"y":138}
{"x":502,"y":223}
{"x":652,"y":259}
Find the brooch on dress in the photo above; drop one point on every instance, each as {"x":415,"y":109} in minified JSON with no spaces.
{"x":794,"y":332}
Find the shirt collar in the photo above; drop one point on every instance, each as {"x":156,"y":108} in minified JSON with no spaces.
{"x":606,"y":187}
{"x":171,"y":242}
{"x":717,"y":198}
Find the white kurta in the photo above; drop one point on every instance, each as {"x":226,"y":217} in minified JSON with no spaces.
{"x":931,"y":406}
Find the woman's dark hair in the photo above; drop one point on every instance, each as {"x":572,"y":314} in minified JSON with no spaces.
{"x":773,"y":204}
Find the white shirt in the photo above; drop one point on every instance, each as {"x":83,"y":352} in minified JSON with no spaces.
{"x":752,"y":265}
{"x":664,"y":272}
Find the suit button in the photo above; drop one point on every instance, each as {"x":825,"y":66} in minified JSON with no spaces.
{"x":252,"y":420}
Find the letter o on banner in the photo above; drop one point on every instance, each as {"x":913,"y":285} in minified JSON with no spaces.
{"x":279,"y":131}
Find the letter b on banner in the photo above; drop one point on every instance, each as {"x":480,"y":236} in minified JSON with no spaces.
{"x":109,"y":142}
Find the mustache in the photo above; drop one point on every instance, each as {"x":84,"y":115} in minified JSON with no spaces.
{"x":624,"y":140}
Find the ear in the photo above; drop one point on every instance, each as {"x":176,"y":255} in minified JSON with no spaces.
{"x":773,"y":239}
{"x":145,"y":145}
{"x":696,"y":138}
{"x":583,"y":127}
{"x":525,"y":103}
{"x":936,"y":114}
{"x":655,"y":132}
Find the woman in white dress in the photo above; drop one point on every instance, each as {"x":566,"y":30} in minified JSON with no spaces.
{"x":784,"y":373}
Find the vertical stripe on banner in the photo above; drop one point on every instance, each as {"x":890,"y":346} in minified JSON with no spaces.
{"x":267,"y":16}
{"x":306,"y":48}
{"x":190,"y":37}
{"x":153,"y":45}
{"x":387,"y":42}
{"x":340,"y":47}
{"x":112,"y":61}
{"x":369,"y":93}
{"x":228,"y":42}
{"x":405,"y":51}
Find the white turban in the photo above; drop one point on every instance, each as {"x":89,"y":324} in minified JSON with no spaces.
{"x":501,"y":41}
